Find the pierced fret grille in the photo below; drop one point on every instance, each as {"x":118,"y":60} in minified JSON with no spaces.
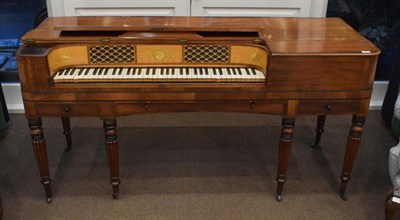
{"x":206,"y":54}
{"x":109,"y":54}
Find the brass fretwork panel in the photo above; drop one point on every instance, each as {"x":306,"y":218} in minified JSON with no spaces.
{"x":206,"y":54}
{"x":109,"y":54}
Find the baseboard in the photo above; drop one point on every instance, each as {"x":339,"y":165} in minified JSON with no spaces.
{"x":12,"y":93}
{"x":378,"y":94}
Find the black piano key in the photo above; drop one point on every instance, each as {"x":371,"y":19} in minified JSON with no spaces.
{"x":247,"y":71}
{"x":232,"y":71}
{"x":61,"y":72}
{"x":254,"y":71}
{"x":81,"y":71}
{"x":180,"y":70}
{"x":86,"y":72}
{"x":114,"y":71}
{"x":120,"y":72}
{"x":139,"y":71}
{"x":95,"y":71}
{"x":104,"y":71}
{"x":101,"y":71}
{"x":204,"y":71}
{"x":66,"y":73}
{"x":153,"y":71}
{"x":229,"y":71}
{"x":187,"y":71}
{"x":129,"y":72}
{"x":72,"y":71}
{"x":238,"y":71}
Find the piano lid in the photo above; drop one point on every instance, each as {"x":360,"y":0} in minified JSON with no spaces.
{"x":284,"y":36}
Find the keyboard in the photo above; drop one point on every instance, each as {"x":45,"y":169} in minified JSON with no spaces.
{"x":159,"y":74}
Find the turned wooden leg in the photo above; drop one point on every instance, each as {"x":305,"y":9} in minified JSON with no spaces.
{"x":353,"y":142}
{"x":67,"y":131}
{"x":285,"y":145}
{"x":319,"y":130}
{"x":112,"y":153}
{"x":391,"y":208}
{"x":40,"y":149}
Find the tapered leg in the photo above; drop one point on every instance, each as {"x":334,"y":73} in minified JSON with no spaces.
{"x":112,"y":153}
{"x":285,"y":145}
{"x":67,"y":131}
{"x":40,"y":149}
{"x":353,"y":142}
{"x":319,"y":130}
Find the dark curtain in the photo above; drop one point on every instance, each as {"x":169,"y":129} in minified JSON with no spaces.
{"x":392,"y":91}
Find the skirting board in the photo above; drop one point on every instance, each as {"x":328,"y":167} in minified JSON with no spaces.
{"x":12,"y":93}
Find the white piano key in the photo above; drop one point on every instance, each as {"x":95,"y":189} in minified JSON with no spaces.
{"x":158,"y":73}
{"x":239,"y":75}
{"x":191,"y":73}
{"x":244,"y":72}
{"x":123,"y":73}
{"x":211,"y":74}
{"x":58,"y":75}
{"x":72,"y":74}
{"x":184,"y":73}
{"x":260,"y":75}
{"x":233,"y":74}
{"x":108,"y":73}
{"x":225,"y":75}
{"x":102,"y":73}
{"x":172,"y":73}
{"x":136,"y":74}
{"x":177,"y":73}
{"x":129,"y":74}
{"x":80,"y":75}
{"x":97,"y":75}
{"x":64,"y":75}
{"x":89,"y":73}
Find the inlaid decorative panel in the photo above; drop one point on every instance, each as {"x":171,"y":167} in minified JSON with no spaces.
{"x":206,"y":54}
{"x":109,"y":54}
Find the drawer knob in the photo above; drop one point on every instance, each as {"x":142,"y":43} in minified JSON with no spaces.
{"x":328,"y":107}
{"x":146,"y":105}
{"x":66,"y":109}
{"x":252,"y":104}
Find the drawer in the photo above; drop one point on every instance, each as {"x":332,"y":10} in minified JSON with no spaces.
{"x":127,"y":108}
{"x":68,"y":109}
{"x":328,"y":107}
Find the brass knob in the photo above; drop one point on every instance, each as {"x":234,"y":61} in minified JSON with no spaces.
{"x":328,"y":107}
{"x":66,"y":109}
{"x":146,"y":105}
{"x":252,"y":104}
